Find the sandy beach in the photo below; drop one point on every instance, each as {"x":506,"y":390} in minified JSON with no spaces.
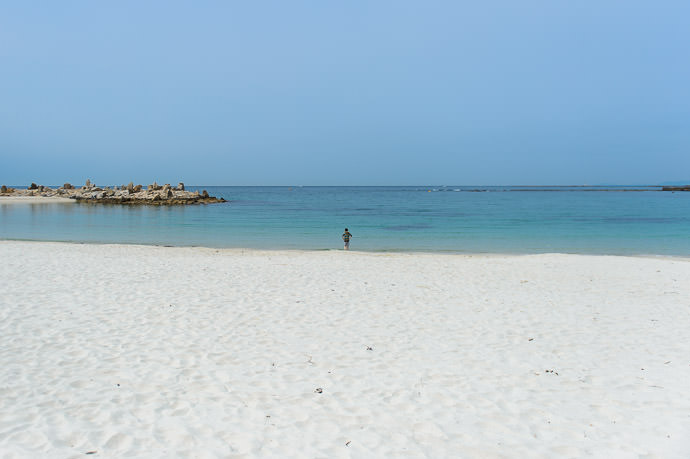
{"x":139,"y":351}
{"x":34,"y":200}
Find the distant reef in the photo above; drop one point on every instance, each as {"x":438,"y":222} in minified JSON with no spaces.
{"x":151,"y":195}
{"x":676,"y":188}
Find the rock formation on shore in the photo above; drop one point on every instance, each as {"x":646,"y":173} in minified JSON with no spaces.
{"x":130,"y":194}
{"x":676,"y":188}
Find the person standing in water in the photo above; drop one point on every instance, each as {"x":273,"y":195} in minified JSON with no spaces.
{"x":346,"y":239}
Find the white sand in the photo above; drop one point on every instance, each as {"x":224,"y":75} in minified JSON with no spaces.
{"x":34,"y":200}
{"x":160,"y":352}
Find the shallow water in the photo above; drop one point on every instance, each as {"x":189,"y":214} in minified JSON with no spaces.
{"x":436,"y":219}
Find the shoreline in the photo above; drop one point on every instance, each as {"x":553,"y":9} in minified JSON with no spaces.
{"x":354,"y":251}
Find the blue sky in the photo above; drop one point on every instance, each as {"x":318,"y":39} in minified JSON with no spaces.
{"x":345,"y":93}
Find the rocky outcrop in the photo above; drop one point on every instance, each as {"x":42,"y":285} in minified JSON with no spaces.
{"x":130,"y":194}
{"x":676,"y":188}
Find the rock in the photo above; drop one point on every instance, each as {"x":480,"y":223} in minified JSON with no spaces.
{"x":157,"y":195}
{"x":3,"y":189}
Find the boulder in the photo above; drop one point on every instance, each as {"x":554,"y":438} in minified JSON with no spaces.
{"x":168,"y":193}
{"x":3,"y":189}
{"x":204,"y":194}
{"x":33,"y":186}
{"x":137,"y":188}
{"x":67,"y":186}
{"x":156,"y":198}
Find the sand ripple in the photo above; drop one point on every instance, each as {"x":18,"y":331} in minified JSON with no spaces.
{"x":187,"y":352}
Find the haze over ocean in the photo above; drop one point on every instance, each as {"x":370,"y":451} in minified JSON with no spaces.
{"x":356,"y":93}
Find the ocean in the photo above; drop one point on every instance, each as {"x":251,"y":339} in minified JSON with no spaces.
{"x":455,"y":219}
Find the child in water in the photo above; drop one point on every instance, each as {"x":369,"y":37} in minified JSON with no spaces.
{"x":346,"y":239}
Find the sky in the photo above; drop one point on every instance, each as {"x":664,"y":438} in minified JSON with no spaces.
{"x":345,"y":93}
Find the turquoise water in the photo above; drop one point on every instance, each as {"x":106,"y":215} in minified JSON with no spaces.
{"x":437,"y":219}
